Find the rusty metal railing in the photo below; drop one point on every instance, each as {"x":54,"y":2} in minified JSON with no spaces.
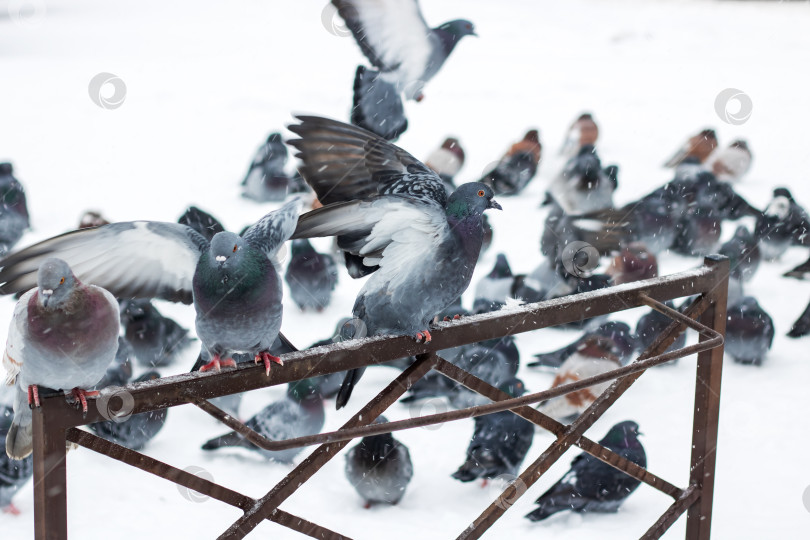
{"x":56,"y":422}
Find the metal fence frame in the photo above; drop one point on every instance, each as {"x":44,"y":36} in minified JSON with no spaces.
{"x":56,"y":422}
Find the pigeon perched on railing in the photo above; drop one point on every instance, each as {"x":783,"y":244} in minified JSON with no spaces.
{"x":386,"y":206}
{"x":311,"y":276}
{"x":592,"y":485}
{"x":14,"y":219}
{"x":231,"y":280}
{"x":14,"y":473}
{"x":155,"y":339}
{"x":63,"y":336}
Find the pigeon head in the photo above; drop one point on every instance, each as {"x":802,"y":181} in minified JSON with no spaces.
{"x":6,"y":168}
{"x":622,"y":435}
{"x":55,"y":282}
{"x":779,"y":207}
{"x":301,"y":246}
{"x":275,"y":138}
{"x":458,"y":28}
{"x":501,"y":268}
{"x":514,"y":387}
{"x":226,"y":249}
{"x":471,"y":200}
{"x":135,"y":309}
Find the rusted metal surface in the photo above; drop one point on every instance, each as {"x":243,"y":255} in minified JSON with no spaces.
{"x":55,"y":422}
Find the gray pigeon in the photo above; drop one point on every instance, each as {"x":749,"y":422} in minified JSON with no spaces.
{"x":583,"y":186}
{"x":493,"y":289}
{"x":387,"y":207}
{"x":311,"y":276}
{"x":13,"y":210}
{"x":120,"y":371}
{"x":62,"y":336}
{"x":300,"y":413}
{"x":749,"y":332}
{"x":591,"y":485}
{"x":395,"y":38}
{"x":231,"y":280}
{"x":377,"y":105}
{"x":13,"y":472}
{"x":379,"y":468}
{"x":783,"y":223}
{"x":155,"y":340}
{"x":743,"y":254}
{"x":266,"y":179}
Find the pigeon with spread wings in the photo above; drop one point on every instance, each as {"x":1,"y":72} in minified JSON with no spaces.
{"x":389,"y":209}
{"x":232,"y":280}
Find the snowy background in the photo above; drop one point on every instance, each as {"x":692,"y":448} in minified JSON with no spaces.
{"x":206,"y":81}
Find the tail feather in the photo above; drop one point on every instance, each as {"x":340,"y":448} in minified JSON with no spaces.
{"x":20,"y":436}
{"x":229,"y":439}
{"x":345,"y":392}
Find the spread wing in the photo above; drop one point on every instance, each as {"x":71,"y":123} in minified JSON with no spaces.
{"x":274,"y":229}
{"x":13,"y":354}
{"x":139,"y":259}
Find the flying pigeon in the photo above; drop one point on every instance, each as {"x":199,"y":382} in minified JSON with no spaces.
{"x":591,"y":485}
{"x":231,"y":280}
{"x":732,"y":163}
{"x":582,"y":132}
{"x":583,"y":186}
{"x":63,"y":336}
{"x":156,"y":340}
{"x":395,"y":38}
{"x":135,"y":431}
{"x":13,"y":210}
{"x":696,"y":150}
{"x":311,"y":276}
{"x":13,"y":472}
{"x":493,"y":290}
{"x":499,"y":443}
{"x":749,"y":332}
{"x":517,"y":167}
{"x":377,"y":105}
{"x":784,"y":223}
{"x":743,"y":254}
{"x":379,"y":468}
{"x":802,"y":325}
{"x":298,"y":414}
{"x":624,"y":343}
{"x":266,"y":179}
{"x":446,"y":161}
{"x":386,"y":206}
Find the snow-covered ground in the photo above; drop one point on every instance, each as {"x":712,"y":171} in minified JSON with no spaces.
{"x":207,"y":80}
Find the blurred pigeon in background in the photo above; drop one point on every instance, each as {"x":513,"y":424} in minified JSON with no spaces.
{"x":801,"y":271}
{"x":695,"y":151}
{"x":202,"y":222}
{"x":157,"y":341}
{"x":583,"y":131}
{"x":298,"y":414}
{"x":395,"y":38}
{"x":389,"y":208}
{"x":802,"y":325}
{"x":583,"y":186}
{"x":92,"y":218}
{"x":624,"y":344}
{"x":63,"y":336}
{"x":120,"y":371}
{"x":651,"y":324}
{"x":592,"y":485}
{"x":377,"y":105}
{"x":379,"y":468}
{"x":782,"y":224}
{"x":749,"y":332}
{"x":266,"y":179}
{"x":517,"y":167}
{"x":14,"y":218}
{"x":732,"y":163}
{"x":14,"y":473}
{"x":494,"y":361}
{"x":134,"y":431}
{"x":633,"y":263}
{"x":311,"y":276}
{"x":499,"y":443}
{"x":743,"y":254}
{"x":493,"y":289}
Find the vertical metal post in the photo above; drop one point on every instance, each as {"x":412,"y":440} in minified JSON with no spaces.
{"x":707,"y":410}
{"x":50,"y":472}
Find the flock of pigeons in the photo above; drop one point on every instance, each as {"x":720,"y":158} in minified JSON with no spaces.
{"x":84,"y":314}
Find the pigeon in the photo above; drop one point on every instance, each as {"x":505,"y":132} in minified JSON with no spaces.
{"x":379,"y":468}
{"x":120,"y":371}
{"x":592,"y":485}
{"x":749,"y":332}
{"x":311,"y":276}
{"x":801,"y":271}
{"x":583,"y":131}
{"x":135,"y":431}
{"x":202,"y":222}
{"x":14,"y":473}
{"x":743,"y":254}
{"x":493,"y":290}
{"x":266,"y":180}
{"x":300,"y":413}
{"x":488,"y":234}
{"x":14,"y":218}
{"x":156,"y":340}
{"x":446,"y":161}
{"x":593,"y":357}
{"x":395,"y":38}
{"x":231,"y":280}
{"x":732,"y":163}
{"x":634,"y":263}
{"x":784,"y":223}
{"x":696,"y":150}
{"x":802,"y":325}
{"x":499,"y":443}
{"x":517,"y":167}
{"x":624,"y":343}
{"x":492,"y":361}
{"x":583,"y":186}
{"x":377,"y":105}
{"x":389,"y":208}
{"x":651,"y":324}
{"x":92,"y":218}
{"x":63,"y":336}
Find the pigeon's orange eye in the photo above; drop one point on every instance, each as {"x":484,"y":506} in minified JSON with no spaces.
{"x":481,"y":193}
{"x":62,"y":281}
{"x":235,"y":248}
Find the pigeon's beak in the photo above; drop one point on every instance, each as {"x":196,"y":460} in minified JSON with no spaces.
{"x":494,"y":204}
{"x":221,"y":258}
{"x":46,"y":296}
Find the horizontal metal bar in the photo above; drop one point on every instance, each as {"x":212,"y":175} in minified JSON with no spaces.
{"x":690,"y":495}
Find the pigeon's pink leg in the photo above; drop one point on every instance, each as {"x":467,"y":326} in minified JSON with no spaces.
{"x":484,"y":483}
{"x":11,"y":509}
{"x":217,"y":363}
{"x":455,"y":318}
{"x":424,"y":334}
{"x":367,"y":505}
{"x":33,"y":396}
{"x":82,"y":396}
{"x":266,"y":357}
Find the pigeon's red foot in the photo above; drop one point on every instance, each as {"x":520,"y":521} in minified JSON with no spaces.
{"x":485,"y":483}
{"x":33,"y":396}
{"x":11,"y":509}
{"x":367,"y":505}
{"x":217,"y":363}
{"x":266,"y":357}
{"x":82,"y":395}
{"x":455,"y":318}
{"x":424,"y":334}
